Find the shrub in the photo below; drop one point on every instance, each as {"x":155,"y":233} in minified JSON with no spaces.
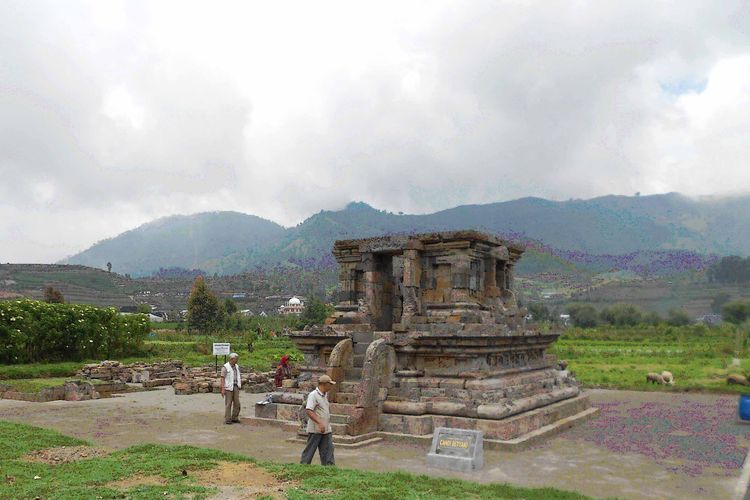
{"x":583,"y":315}
{"x":53,"y":295}
{"x":677,"y":317}
{"x":621,"y":315}
{"x":32,"y":331}
{"x":736,"y":312}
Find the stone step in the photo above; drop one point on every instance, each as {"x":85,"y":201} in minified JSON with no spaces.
{"x":339,"y":429}
{"x":362,"y":337}
{"x":342,"y":408}
{"x":345,"y":397}
{"x":360,"y":348}
{"x":354,"y":373}
{"x":348,"y":385}
{"x":339,"y":419}
{"x":358,"y":360}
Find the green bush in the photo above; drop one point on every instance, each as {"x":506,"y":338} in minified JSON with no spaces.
{"x":33,"y":331}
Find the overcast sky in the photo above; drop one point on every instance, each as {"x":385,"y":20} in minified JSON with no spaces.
{"x":116,"y":113}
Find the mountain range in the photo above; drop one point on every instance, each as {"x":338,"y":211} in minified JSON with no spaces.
{"x":606,"y":232}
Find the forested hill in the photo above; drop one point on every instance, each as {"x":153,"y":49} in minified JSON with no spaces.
{"x":576,"y":230}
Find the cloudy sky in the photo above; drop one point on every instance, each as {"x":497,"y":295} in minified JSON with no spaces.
{"x":115,"y":113}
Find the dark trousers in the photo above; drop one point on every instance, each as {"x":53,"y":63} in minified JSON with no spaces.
{"x":322,"y":442}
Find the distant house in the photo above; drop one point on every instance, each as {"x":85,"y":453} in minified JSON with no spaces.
{"x":246,"y":312}
{"x":293,"y":306}
{"x":263,"y":313}
{"x":239,"y":295}
{"x":153,"y":318}
{"x":161,"y":314}
{"x":709,"y":319}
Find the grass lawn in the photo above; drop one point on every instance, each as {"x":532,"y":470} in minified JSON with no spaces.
{"x":37,"y":384}
{"x":265,"y":353}
{"x":93,"y":477}
{"x":620,"y":358}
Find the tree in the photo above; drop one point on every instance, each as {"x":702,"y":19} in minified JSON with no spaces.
{"x":205,"y":313}
{"x":736,"y":312}
{"x":315,"y":312}
{"x":651,"y":318}
{"x":583,"y":315}
{"x":109,"y":267}
{"x":230,"y":306}
{"x":621,"y":315}
{"x":53,"y":295}
{"x":144,"y":308}
{"x":539,"y":312}
{"x":719,"y":300}
{"x":677,"y":317}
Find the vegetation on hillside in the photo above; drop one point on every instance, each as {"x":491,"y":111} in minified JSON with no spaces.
{"x":229,"y":242}
{"x":731,"y":269}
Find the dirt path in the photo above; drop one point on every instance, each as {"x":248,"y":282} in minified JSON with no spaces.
{"x":643,"y":445}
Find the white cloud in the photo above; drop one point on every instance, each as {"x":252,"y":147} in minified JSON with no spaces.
{"x":114,"y":113}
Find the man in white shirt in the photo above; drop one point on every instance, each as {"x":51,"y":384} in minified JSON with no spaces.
{"x":231,"y":384}
{"x":319,"y":435}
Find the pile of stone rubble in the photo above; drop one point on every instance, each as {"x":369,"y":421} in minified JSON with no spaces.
{"x":206,"y":379}
{"x":185,"y":380}
{"x":148,"y":374}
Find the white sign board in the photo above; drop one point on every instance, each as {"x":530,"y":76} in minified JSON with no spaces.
{"x":221,"y":348}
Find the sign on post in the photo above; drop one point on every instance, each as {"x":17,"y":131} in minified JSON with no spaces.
{"x":457,"y":449}
{"x":221,"y":348}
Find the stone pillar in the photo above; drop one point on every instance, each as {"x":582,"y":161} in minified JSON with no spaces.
{"x":460,"y":271}
{"x":369,"y":285}
{"x":412,"y":278}
{"x":490,"y":278}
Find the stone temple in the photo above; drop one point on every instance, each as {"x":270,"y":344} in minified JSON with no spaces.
{"x":427,"y":333}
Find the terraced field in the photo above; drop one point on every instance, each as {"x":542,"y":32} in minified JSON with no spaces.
{"x":700,"y":358}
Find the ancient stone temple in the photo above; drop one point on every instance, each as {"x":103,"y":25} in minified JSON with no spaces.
{"x":427,"y":333}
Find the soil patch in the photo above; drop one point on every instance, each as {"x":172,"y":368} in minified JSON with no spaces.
{"x":137,"y":480}
{"x":242,"y":480}
{"x":64,"y":454}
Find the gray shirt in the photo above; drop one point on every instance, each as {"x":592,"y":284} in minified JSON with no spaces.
{"x":318,"y":402}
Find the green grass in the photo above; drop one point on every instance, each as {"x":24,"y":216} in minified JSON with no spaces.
{"x":88,"y":478}
{"x":190,"y":349}
{"x":619,"y":358}
{"x":38,"y":384}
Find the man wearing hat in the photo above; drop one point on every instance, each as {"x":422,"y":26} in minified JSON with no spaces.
{"x":319,"y":435}
{"x":230,"y":389}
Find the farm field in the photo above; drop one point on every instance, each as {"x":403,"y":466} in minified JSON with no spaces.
{"x":619,"y":358}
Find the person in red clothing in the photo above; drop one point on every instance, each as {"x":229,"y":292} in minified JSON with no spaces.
{"x":284,"y":370}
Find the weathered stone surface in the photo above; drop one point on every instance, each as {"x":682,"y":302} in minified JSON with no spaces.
{"x":266,"y":410}
{"x":428,"y":333}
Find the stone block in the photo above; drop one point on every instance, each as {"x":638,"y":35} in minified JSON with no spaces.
{"x":457,"y":449}
{"x":362,"y":337}
{"x":266,"y":410}
{"x":287,"y":412}
{"x":453,"y":383}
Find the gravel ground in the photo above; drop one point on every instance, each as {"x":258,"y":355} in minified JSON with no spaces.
{"x":642,"y":444}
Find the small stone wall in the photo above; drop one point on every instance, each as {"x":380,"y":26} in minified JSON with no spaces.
{"x":72,"y":390}
{"x":204,"y":379}
{"x":134,"y":372}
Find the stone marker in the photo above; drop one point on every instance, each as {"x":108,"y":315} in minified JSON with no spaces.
{"x":456,"y":449}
